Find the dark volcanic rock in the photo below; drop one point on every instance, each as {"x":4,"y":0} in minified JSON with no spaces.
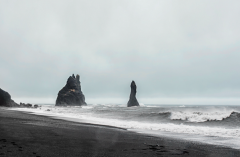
{"x":133,"y":100}
{"x":25,"y":105}
{"x":5,"y":99}
{"x":71,"y":93}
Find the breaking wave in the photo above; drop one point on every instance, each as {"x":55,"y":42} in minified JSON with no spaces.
{"x":203,"y":116}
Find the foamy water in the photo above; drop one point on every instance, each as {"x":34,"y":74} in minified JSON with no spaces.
{"x":209,"y":124}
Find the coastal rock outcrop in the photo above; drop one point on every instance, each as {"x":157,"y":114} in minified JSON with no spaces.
{"x":133,"y":100}
{"x":71,"y":94}
{"x":5,"y":99}
{"x":25,"y":105}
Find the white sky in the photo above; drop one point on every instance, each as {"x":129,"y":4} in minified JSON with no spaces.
{"x":176,"y":51}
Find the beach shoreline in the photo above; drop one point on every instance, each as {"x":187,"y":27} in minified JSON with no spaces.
{"x":23,"y":134}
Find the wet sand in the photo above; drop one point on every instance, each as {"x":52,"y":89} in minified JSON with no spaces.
{"x":23,"y":134}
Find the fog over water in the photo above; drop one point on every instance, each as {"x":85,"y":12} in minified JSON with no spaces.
{"x":177,"y":52}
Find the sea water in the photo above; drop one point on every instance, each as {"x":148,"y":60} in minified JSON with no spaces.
{"x":218,"y":125}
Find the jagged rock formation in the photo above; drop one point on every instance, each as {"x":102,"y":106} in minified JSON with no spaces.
{"x":5,"y":99}
{"x":71,"y":94}
{"x":133,"y":100}
{"x":25,"y":105}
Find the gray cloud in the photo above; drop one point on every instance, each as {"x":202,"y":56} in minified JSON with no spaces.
{"x":170,"y":48}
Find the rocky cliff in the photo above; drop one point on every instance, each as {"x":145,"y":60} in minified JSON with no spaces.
{"x":133,"y":100}
{"x":71,"y":94}
{"x":5,"y":99}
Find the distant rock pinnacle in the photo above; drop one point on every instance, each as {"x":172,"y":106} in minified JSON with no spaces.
{"x":71,"y":94}
{"x":133,"y":100}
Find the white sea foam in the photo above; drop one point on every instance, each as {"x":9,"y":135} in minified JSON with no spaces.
{"x":192,"y":116}
{"x":87,"y":107}
{"x":182,"y":106}
{"x":168,"y":127}
{"x":157,"y":120}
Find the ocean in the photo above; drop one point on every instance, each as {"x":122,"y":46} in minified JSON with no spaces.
{"x":218,"y":125}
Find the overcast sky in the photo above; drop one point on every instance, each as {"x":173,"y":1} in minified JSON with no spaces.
{"x":177,"y":51}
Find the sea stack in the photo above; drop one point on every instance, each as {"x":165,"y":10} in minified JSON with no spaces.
{"x":133,"y":100}
{"x":5,"y":99}
{"x":71,"y":94}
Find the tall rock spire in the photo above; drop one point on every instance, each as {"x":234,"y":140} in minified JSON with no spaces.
{"x":133,"y":100}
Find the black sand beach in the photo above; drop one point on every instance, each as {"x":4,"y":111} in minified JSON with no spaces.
{"x":27,"y":135}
